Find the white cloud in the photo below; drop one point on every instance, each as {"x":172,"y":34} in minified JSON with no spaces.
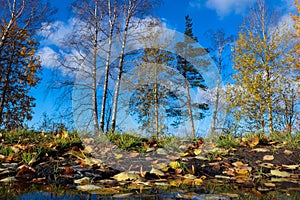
{"x":55,"y":33}
{"x":48,"y":57}
{"x":225,"y":7}
{"x":195,"y":4}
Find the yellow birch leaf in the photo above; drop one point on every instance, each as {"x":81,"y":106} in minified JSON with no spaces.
{"x":280,"y":173}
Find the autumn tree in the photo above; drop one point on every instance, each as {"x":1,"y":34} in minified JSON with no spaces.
{"x":296,"y":18}
{"x":19,"y":65}
{"x":188,"y":52}
{"x":262,"y":55}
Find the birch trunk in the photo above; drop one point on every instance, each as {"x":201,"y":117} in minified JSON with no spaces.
{"x":107,"y":64}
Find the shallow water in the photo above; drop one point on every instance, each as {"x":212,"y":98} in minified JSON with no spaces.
{"x":209,"y":191}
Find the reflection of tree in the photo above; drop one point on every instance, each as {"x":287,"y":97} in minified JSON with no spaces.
{"x":158,"y":85}
{"x":143,"y":104}
{"x":189,"y":50}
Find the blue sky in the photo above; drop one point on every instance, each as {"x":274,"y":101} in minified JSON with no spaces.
{"x":206,"y":15}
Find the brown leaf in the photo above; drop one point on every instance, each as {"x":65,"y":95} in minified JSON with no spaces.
{"x":269,"y":184}
{"x":8,"y":158}
{"x":268,"y":157}
{"x":287,"y":152}
{"x":253,"y":141}
{"x":26,"y":172}
{"x":69,"y":170}
{"x":239,"y":164}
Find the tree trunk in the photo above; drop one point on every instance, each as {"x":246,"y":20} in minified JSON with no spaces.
{"x":107,"y":67}
{"x":121,"y":60}
{"x":94,"y":77}
{"x":190,"y":109}
{"x":216,"y":107}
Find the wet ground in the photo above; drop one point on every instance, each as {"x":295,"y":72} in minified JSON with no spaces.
{"x":202,"y":171}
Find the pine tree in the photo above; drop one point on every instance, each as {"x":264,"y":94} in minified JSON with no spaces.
{"x":187,"y":52}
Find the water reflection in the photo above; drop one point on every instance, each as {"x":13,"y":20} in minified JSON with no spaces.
{"x":218,"y":192}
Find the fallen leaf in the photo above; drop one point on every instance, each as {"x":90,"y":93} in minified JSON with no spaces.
{"x":199,"y":157}
{"x":175,"y":182}
{"x":8,"y":180}
{"x":174,"y":164}
{"x":266,"y":165}
{"x":8,"y":158}
{"x":222,"y":177}
{"x":260,"y":150}
{"x":269,"y":184}
{"x":287,"y":152}
{"x":197,"y":151}
{"x":88,"y":188}
{"x":32,"y":161}
{"x":162,"y":184}
{"x":253,"y":141}
{"x":121,"y":196}
{"x":243,"y":172}
{"x":198,"y":181}
{"x":162,"y":166}
{"x":183,"y":154}
{"x":161,"y":151}
{"x":263,"y":189}
{"x":239,"y":164}
{"x":190,"y":176}
{"x":232,"y":196}
{"x":156,"y":172}
{"x":291,"y":167}
{"x":26,"y":172}
{"x":69,"y":170}
{"x":118,"y":156}
{"x":127,"y":176}
{"x":268,"y":157}
{"x":88,"y":149}
{"x":82,"y":181}
{"x":279,"y":180}
{"x":229,"y":172}
{"x":280,"y":173}
{"x":188,"y":181}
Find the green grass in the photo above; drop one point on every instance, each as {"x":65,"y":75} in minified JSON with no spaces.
{"x":127,"y":141}
{"x":6,"y":150}
{"x":227,"y":141}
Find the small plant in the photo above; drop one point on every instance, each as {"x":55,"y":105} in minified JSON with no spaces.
{"x":6,"y":150}
{"x":27,"y":157}
{"x":227,"y":141}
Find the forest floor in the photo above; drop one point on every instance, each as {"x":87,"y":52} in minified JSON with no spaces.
{"x":254,"y":165}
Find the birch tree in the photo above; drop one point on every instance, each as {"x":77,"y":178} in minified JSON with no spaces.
{"x":219,"y":45}
{"x":112,"y":17}
{"x":130,"y":9}
{"x":86,"y":58}
{"x":262,"y":55}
